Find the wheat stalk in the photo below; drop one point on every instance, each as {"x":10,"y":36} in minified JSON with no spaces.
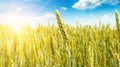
{"x":59,"y":21}
{"x":117,"y":23}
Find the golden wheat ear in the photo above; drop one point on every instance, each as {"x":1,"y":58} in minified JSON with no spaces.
{"x":59,"y":22}
{"x":117,"y":23}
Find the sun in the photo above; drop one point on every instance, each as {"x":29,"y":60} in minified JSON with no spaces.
{"x":14,"y":21}
{"x":17,"y":19}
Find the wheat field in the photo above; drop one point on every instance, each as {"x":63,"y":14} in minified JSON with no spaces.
{"x":61,"y":46}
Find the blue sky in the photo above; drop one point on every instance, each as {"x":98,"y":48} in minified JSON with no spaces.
{"x":32,"y":11}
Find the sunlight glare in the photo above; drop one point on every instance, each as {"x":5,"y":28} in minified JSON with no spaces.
{"x":17,"y":20}
{"x":14,"y":21}
{"x":16,"y":28}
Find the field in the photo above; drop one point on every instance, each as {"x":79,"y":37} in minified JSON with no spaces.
{"x":61,"y":46}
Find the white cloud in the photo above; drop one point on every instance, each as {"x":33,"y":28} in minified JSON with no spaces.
{"x":111,"y":2}
{"x":63,"y":8}
{"x":108,"y":19}
{"x":105,"y":16}
{"x":94,"y":20}
{"x":19,"y":9}
{"x":46,"y":16}
{"x":89,"y":4}
{"x":19,"y":19}
{"x":86,"y":4}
